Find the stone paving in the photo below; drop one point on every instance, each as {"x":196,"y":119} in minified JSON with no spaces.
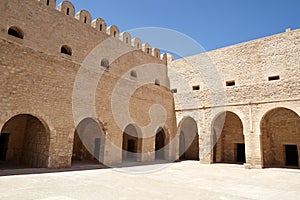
{"x":182,"y":180}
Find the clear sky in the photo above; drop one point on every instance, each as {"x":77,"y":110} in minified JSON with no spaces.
{"x":212,"y":23}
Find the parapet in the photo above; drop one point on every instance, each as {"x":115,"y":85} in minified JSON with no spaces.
{"x":126,"y":38}
{"x":50,"y":3}
{"x":137,"y":43}
{"x":99,"y":24}
{"x":67,"y":8}
{"x":84,"y":17}
{"x":113,"y":31}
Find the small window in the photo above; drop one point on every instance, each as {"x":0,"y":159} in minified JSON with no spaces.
{"x":48,"y":2}
{"x":174,"y":90}
{"x":68,"y":11}
{"x":274,"y":78}
{"x":85,"y":20}
{"x":157,"y":55}
{"x":133,"y":74}
{"x":101,"y":27}
{"x":115,"y":33}
{"x":66,"y":50}
{"x":157,"y":82}
{"x":138,"y":45}
{"x":230,"y":83}
{"x":105,"y":63}
{"x":127,"y":40}
{"x":16,"y":32}
{"x":148,"y":50}
{"x":196,"y":87}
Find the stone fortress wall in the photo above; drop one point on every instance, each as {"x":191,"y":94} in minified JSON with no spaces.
{"x":238,"y":104}
{"x":256,"y":85}
{"x":41,"y":53}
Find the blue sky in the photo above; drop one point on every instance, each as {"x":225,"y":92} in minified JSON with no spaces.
{"x":212,"y":23}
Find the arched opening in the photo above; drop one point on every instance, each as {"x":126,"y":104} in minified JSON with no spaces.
{"x":101,"y":27}
{"x":280,"y":138}
{"x":89,"y":142}
{"x":66,"y":50}
{"x":24,"y":141}
{"x":68,"y":11}
{"x":104,"y":63}
{"x":16,"y":32}
{"x":188,"y":140}
{"x":48,"y":2}
{"x":160,"y":143}
{"x":133,"y":74}
{"x":228,"y":139}
{"x":131,"y":143}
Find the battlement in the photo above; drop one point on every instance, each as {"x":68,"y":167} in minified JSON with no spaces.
{"x":100,"y":25}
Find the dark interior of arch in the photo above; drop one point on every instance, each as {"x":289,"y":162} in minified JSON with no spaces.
{"x":24,"y":141}
{"x":189,"y":140}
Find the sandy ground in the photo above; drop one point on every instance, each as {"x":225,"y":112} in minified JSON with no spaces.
{"x":184,"y":180}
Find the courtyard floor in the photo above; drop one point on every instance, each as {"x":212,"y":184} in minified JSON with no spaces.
{"x":183,"y":180}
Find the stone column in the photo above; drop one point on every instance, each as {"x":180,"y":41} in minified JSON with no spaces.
{"x":253,"y":150}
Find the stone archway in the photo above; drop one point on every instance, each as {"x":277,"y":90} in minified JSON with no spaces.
{"x":89,"y":142}
{"x":188,"y":139}
{"x":228,"y":139}
{"x":280,"y":138}
{"x":160,"y":143}
{"x":25,"y":140}
{"x":131,"y":145}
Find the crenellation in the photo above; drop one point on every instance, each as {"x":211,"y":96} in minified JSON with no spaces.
{"x":49,"y":3}
{"x":84,"y":17}
{"x":67,"y":8}
{"x":99,"y":24}
{"x":164,"y":57}
{"x":147,"y":48}
{"x":156,"y":52}
{"x":137,"y":43}
{"x":126,"y":38}
{"x":113,"y":31}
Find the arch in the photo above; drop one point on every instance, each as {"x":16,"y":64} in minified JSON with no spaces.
{"x":84,"y":17}
{"x":89,"y":141}
{"x":228,"y":138}
{"x":99,"y":24}
{"x":160,"y":143}
{"x":67,"y":8}
{"x":25,"y":140}
{"x":188,"y":139}
{"x":125,"y":37}
{"x":147,"y":48}
{"x":156,"y":53}
{"x":16,"y":32}
{"x":132,"y":143}
{"x":113,"y":31}
{"x":280,"y":138}
{"x":65,"y":49}
{"x":136,"y":43}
